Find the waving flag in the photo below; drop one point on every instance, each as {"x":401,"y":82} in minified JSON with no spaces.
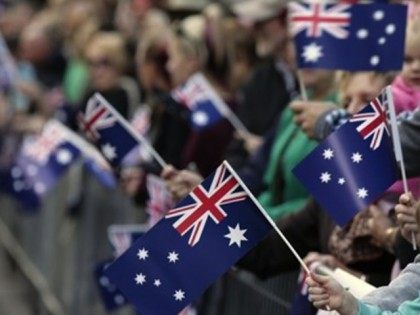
{"x":355,"y":37}
{"x":160,"y":199}
{"x":353,"y":166}
{"x":211,"y":229}
{"x":206,"y":106}
{"x":111,"y":297}
{"x":42,"y":161}
{"x":101,"y":123}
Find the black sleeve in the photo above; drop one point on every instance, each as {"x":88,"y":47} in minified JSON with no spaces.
{"x":404,"y":251}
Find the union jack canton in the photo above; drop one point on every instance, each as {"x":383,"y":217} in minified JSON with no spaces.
{"x":110,"y":132}
{"x":373,"y":122}
{"x":166,"y":269}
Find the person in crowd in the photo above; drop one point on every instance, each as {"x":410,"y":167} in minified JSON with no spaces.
{"x":316,"y":236}
{"x":400,"y":297}
{"x":79,"y":25}
{"x":106,"y":58}
{"x":272,"y":84}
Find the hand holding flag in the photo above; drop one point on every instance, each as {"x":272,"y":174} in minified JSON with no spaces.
{"x":111,"y":132}
{"x":208,"y":231}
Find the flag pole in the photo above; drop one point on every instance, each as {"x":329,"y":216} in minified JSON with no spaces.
{"x":268,"y":218}
{"x":302,"y":87}
{"x":130,"y":129}
{"x":397,"y":148}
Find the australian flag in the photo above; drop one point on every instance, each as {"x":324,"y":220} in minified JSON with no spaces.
{"x":111,"y":297}
{"x":355,"y":37}
{"x":353,"y":166}
{"x":41,"y":162}
{"x":195,"y":243}
{"x":205,"y":105}
{"x":107,"y":129}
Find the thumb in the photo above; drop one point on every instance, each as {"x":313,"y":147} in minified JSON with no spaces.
{"x":168,"y":172}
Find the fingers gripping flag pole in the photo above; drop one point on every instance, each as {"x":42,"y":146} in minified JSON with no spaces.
{"x":130,"y":129}
{"x":397,"y":147}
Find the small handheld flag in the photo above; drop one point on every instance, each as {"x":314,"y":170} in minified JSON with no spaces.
{"x":206,"y":106}
{"x":43,"y":159}
{"x":195,"y":243}
{"x":357,"y":37}
{"x":111,"y":132}
{"x":353,"y":166}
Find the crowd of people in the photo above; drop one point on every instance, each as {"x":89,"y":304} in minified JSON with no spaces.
{"x":135,"y":52}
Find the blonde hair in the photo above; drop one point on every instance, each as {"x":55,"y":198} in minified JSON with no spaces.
{"x":111,"y":45}
{"x":189,"y":38}
{"x":412,"y":37}
{"x":343,"y":78}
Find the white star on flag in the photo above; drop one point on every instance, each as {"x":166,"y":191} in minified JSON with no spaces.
{"x":312,"y":52}
{"x":16,"y":172}
{"x":40,"y":188}
{"x":341,"y":181}
{"x":325,"y":177}
{"x":362,"y":193}
{"x":356,"y":157}
{"x":179,"y":295}
{"x":157,"y":283}
{"x":109,"y":151}
{"x":119,"y":299}
{"x":173,"y":257}
{"x":143,"y":254}
{"x":104,"y":281}
{"x":236,"y":235}
{"x":18,"y":185}
{"x":200,"y":118}
{"x":32,"y":170}
{"x":328,"y":154}
{"x":140,"y":279}
{"x":64,"y":156}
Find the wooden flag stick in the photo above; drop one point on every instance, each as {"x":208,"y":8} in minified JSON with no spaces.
{"x":397,"y":148}
{"x":302,"y":87}
{"x":269,"y":219}
{"x":130,"y":129}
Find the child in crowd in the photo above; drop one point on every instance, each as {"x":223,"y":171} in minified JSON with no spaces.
{"x":325,"y":292}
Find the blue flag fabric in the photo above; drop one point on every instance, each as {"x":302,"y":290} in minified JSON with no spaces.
{"x":206,"y":107}
{"x":348,"y":37}
{"x":41,"y":162}
{"x":353,"y":166}
{"x":195,"y":243}
{"x":112,"y":298}
{"x":108,"y":130}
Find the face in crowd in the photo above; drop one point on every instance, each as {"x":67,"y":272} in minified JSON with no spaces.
{"x":360,"y":88}
{"x":105,"y":56}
